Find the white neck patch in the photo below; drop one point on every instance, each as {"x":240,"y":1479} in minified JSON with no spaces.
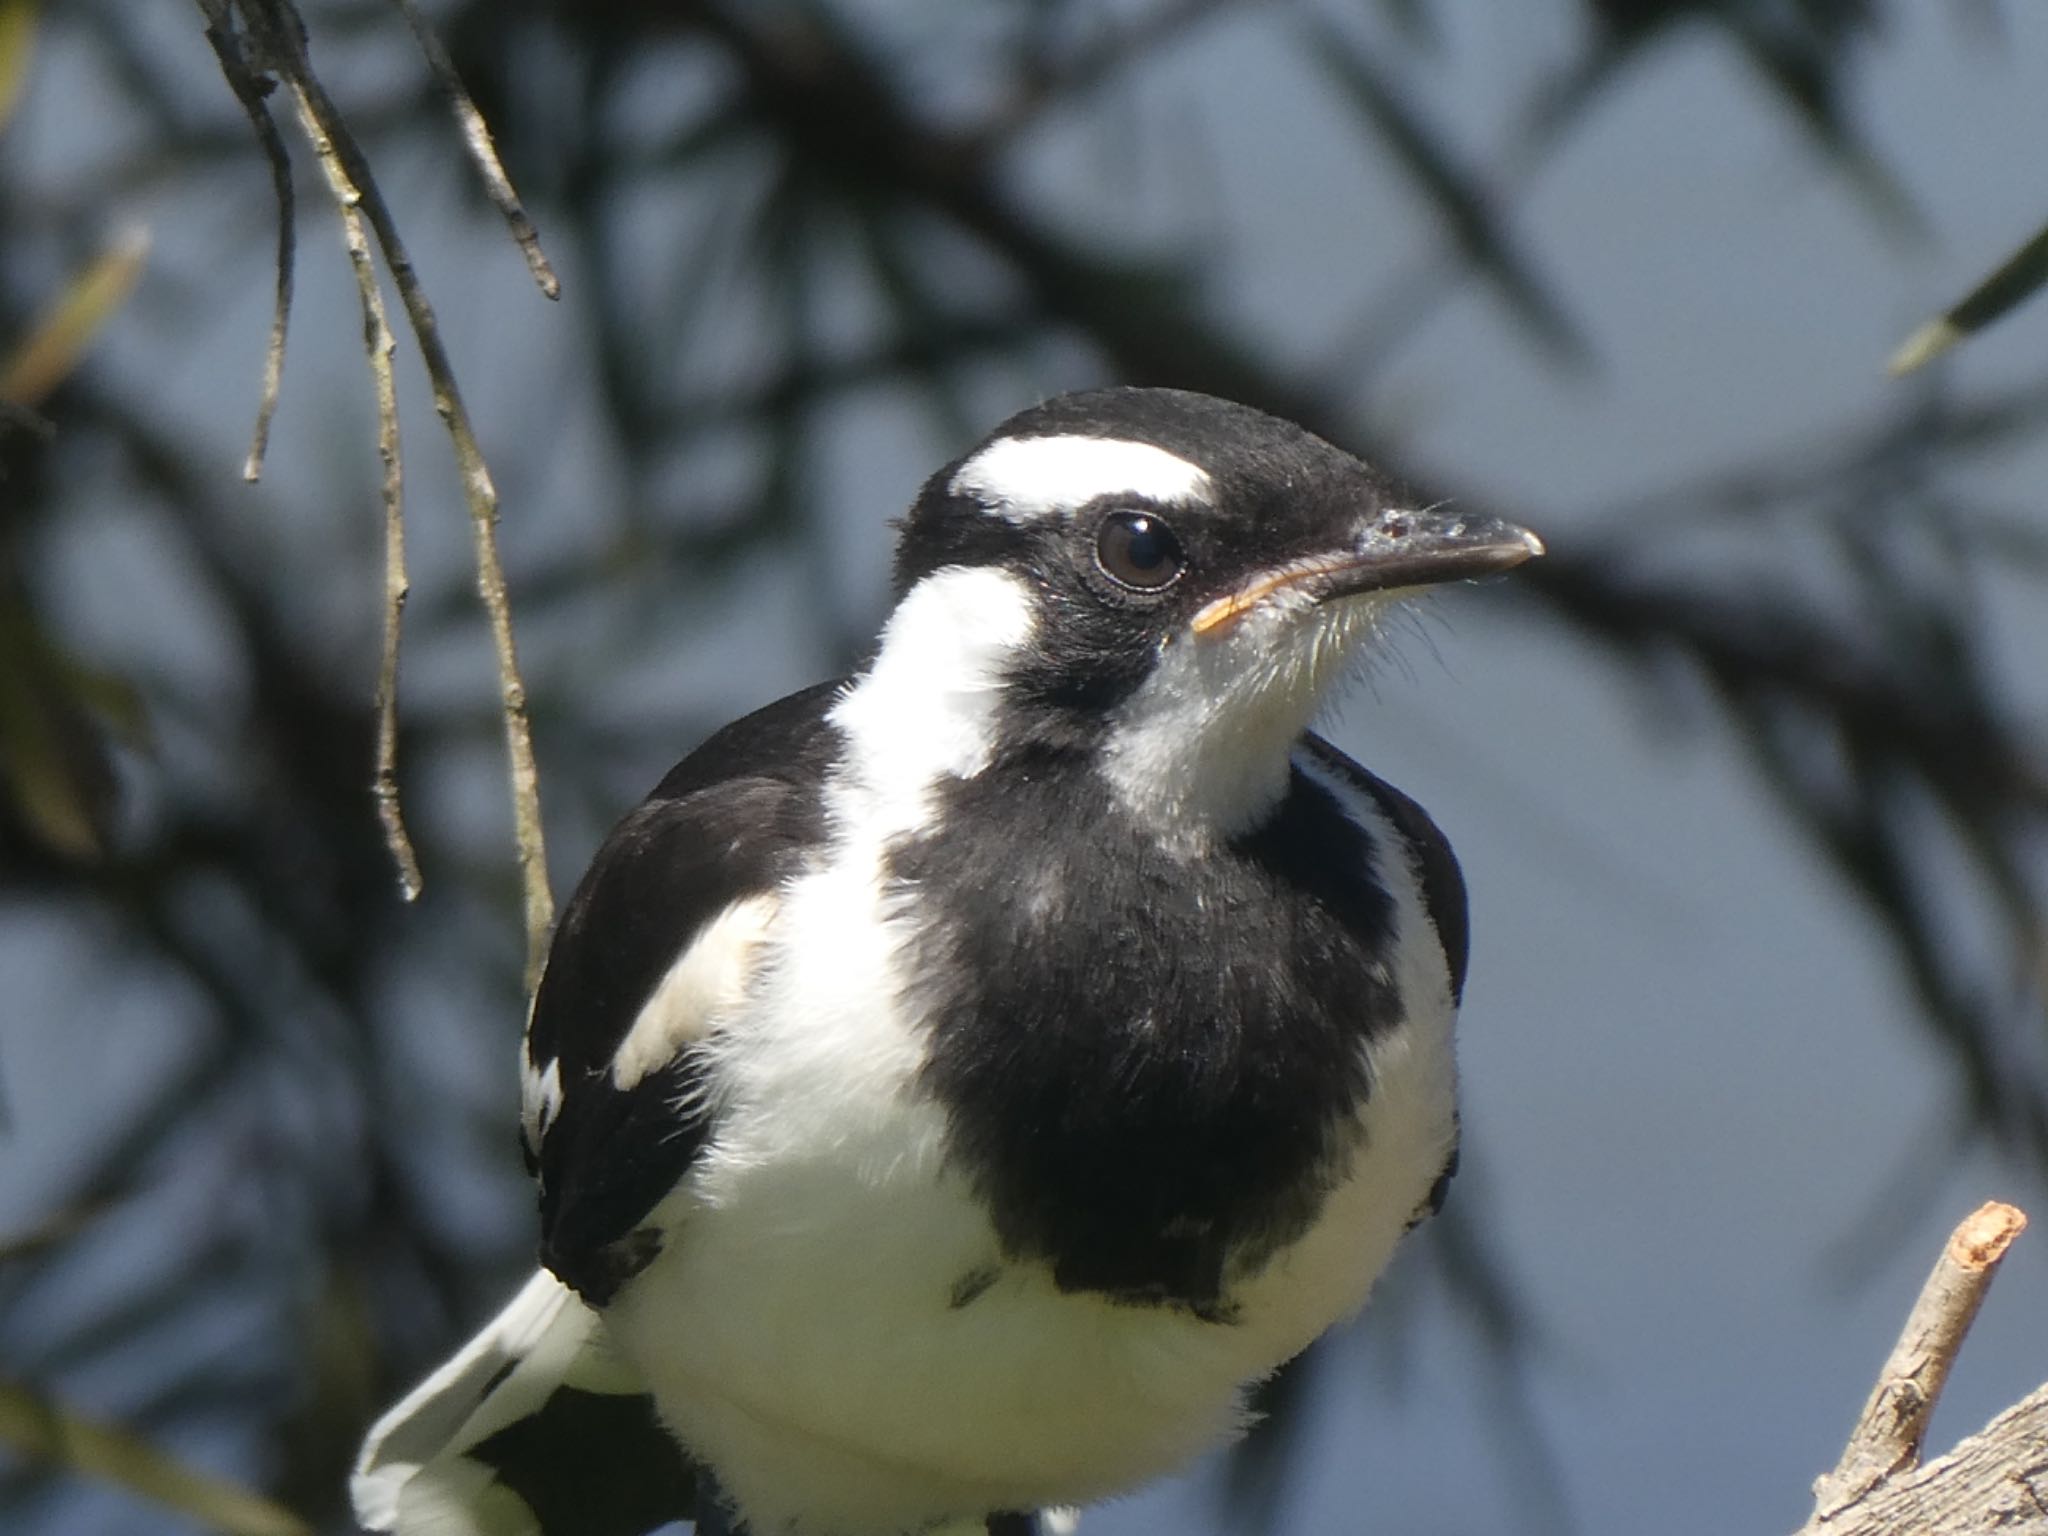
{"x":926,"y":709}
{"x":1026,"y":478}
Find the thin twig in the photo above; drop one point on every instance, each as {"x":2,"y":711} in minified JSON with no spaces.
{"x":378,"y":345}
{"x":483,"y":153}
{"x":1888,"y":1436}
{"x":251,"y":87}
{"x":284,"y":42}
{"x":384,"y":787}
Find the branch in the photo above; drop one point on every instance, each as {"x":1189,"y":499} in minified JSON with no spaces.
{"x":251,"y":87}
{"x":38,"y":1428}
{"x":478,"y":490}
{"x":483,"y":154}
{"x":272,"y":40}
{"x":1997,"y":1479}
{"x":378,"y":346}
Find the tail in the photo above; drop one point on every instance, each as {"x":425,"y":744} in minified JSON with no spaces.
{"x":534,"y":1428}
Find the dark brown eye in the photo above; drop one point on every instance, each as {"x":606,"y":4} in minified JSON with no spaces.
{"x":1137,"y":550}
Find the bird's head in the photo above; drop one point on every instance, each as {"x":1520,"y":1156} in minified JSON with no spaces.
{"x":1166,"y":581}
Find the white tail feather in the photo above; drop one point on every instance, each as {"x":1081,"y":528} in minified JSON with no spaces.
{"x":411,"y":1477}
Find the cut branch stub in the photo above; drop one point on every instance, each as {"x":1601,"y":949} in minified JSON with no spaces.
{"x":1881,"y":1464}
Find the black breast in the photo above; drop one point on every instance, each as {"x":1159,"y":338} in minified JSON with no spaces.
{"x":1149,"y":1062}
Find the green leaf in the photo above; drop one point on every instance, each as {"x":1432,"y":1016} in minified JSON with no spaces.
{"x":2017,"y":279}
{"x":45,"y":1432}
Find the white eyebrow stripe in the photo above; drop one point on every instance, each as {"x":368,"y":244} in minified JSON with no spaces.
{"x":1022,"y":478}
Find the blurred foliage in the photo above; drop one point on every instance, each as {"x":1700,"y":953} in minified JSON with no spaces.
{"x":53,"y":767}
{"x":17,"y":41}
{"x":780,"y":215}
{"x":39,"y":1428}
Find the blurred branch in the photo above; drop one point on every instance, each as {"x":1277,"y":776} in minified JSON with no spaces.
{"x":39,"y":1428}
{"x":1118,"y":45}
{"x":1852,"y":733}
{"x":53,"y":1231}
{"x":1477,"y":232}
{"x":1803,"y":53}
{"x":1994,"y":1481}
{"x":1850,"y":464}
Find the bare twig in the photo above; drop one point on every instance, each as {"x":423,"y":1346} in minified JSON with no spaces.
{"x":378,"y":346}
{"x":384,"y":787}
{"x":252,"y":85}
{"x":483,"y":154}
{"x":1887,"y":1439}
{"x":274,"y":31}
{"x":482,"y":496}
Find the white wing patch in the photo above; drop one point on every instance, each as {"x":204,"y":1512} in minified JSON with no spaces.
{"x":1024,"y":478}
{"x":705,"y":984}
{"x":540,"y":1098}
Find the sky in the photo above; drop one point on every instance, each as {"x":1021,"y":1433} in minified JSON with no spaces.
{"x":1692,"y":1082}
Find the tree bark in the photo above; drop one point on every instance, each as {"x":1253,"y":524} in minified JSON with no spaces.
{"x":1994,"y":1481}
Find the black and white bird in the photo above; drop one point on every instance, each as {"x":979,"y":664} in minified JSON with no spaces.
{"x":957,"y":1083}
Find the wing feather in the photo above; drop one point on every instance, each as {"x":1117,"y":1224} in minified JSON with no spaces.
{"x":657,"y":941}
{"x":1443,"y":883}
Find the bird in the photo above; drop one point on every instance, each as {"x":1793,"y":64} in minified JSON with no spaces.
{"x":957,"y":1084}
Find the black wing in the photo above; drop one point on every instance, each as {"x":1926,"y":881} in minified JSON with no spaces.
{"x":733,"y":820}
{"x":1443,"y":893}
{"x":1443,"y":883}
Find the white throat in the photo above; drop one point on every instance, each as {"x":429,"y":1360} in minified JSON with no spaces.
{"x":1201,"y":749}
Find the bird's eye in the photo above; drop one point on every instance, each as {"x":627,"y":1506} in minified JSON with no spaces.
{"x":1137,"y":550}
